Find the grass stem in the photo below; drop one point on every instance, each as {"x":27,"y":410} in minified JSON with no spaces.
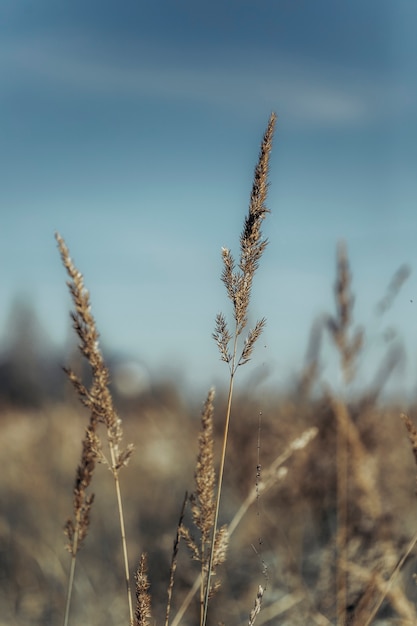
{"x":219,"y":493}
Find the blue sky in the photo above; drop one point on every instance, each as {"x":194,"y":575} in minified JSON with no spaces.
{"x":133,"y":129}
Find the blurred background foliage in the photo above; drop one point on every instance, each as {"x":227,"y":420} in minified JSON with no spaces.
{"x":290,"y":529}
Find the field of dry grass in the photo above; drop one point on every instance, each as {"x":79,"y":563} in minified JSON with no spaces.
{"x":295,"y":519}
{"x":287,"y":509}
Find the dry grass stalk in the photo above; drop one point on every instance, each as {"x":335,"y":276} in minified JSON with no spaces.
{"x":143,"y":598}
{"x":271,"y":476}
{"x":203,"y":505}
{"x":342,"y":520}
{"x":77,"y":529}
{"x":395,"y":284}
{"x":174,"y":558}
{"x":339,"y":325}
{"x":368,"y":606}
{"x":412,"y":434}
{"x":360,"y":473}
{"x":257,"y":608}
{"x":77,"y":532}
{"x":285,"y":604}
{"x":97,"y":399}
{"x":397,"y":598}
{"x":350,"y":448}
{"x":203,"y":499}
{"x":238,"y":283}
{"x":187,"y":601}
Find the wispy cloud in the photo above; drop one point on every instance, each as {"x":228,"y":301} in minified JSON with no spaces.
{"x":308,"y":95}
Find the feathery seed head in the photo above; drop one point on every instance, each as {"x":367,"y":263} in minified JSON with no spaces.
{"x":238,"y":282}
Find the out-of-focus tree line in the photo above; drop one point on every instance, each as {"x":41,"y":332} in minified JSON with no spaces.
{"x":30,"y":366}
{"x":32,"y":374}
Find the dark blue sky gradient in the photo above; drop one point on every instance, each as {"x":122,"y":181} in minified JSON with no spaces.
{"x":133,"y":129}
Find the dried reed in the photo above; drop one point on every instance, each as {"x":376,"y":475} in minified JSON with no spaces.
{"x":174,"y":558}
{"x":238,"y":283}
{"x":143,"y":598}
{"x":272,"y":476}
{"x":98,"y":400}
{"x":203,"y":505}
{"x":355,"y":479}
{"x":339,"y":328}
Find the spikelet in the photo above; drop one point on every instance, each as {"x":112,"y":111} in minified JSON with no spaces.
{"x":143,"y":598}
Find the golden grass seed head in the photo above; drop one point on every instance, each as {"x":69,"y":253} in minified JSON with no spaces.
{"x":203,"y":502}
{"x":143,"y":598}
